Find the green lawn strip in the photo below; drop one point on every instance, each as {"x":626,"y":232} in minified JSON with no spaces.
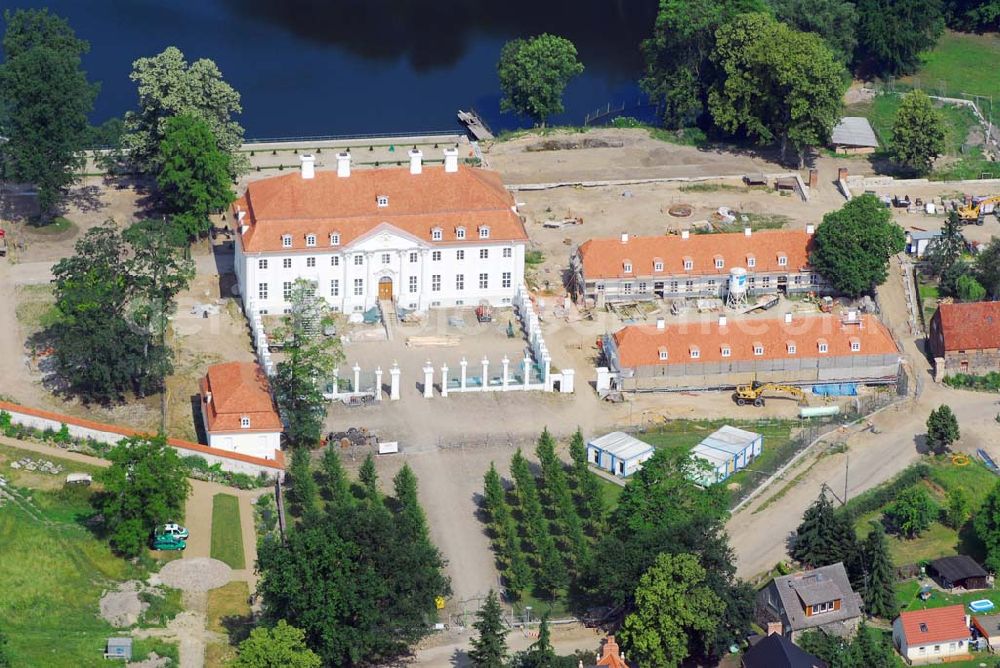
{"x":958,"y":65}
{"x":610,"y":491}
{"x":143,"y":647}
{"x":906,"y":595}
{"x":227,"y":534}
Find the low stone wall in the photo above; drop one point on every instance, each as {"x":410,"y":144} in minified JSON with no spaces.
{"x":107,"y":433}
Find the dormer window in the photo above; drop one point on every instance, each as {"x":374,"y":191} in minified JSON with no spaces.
{"x":484,"y":232}
{"x":657,"y":265}
{"x":719,"y":262}
{"x":310,"y":240}
{"x":855,"y":345}
{"x":459,"y":232}
{"x":436,"y":234}
{"x":627,"y":266}
{"x":245,"y":422}
{"x":335,"y":238}
{"x":791,"y":347}
{"x":286,"y":240}
{"x":823,"y":346}
{"x":727,"y":351}
{"x":383,"y":201}
{"x":688,"y":264}
{"x":758,"y":349}
{"x":695,"y":352}
{"x":751,"y":261}
{"x":782,"y":260}
{"x":663,"y":354}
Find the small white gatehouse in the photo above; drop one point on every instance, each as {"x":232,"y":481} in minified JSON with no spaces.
{"x":618,"y":453}
{"x":726,"y":451}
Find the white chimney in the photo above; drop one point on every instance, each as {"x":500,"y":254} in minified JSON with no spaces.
{"x":416,"y":161}
{"x":343,"y":165}
{"x":747,"y":231}
{"x":661,"y":323}
{"x":208,"y":397}
{"x":810,"y":228}
{"x":788,"y":317}
{"x":308,"y":165}
{"x":240,"y":216}
{"x":624,"y":237}
{"x":722,"y":321}
{"x":451,"y":160}
{"x":685,"y":234}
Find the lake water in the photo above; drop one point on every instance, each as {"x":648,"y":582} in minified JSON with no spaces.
{"x":333,"y":67}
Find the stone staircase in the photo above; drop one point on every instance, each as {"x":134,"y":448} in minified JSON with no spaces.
{"x":388,"y":310}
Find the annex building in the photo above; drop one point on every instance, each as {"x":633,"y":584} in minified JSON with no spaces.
{"x":965,"y":338}
{"x":694,"y":265}
{"x":238,"y":412}
{"x":719,"y":353}
{"x":420,"y":237}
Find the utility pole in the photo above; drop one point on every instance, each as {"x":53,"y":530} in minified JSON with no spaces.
{"x":847,"y":470}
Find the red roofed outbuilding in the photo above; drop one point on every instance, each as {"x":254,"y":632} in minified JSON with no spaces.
{"x":238,"y":410}
{"x":965,"y":338}
{"x":933,"y":635}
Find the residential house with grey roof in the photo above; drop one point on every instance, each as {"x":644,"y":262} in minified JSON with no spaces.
{"x":820,"y":599}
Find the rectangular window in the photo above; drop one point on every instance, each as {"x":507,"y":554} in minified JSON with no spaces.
{"x":508,"y":252}
{"x":459,"y":282}
{"x":695,"y":353}
{"x":413,"y":257}
{"x":310,"y":240}
{"x":673,"y":286}
{"x":751,"y":262}
{"x":505,"y":279}
{"x":484,"y":253}
{"x":359,"y":287}
{"x":460,"y":233}
{"x":782,"y":261}
{"x":627,"y":288}
{"x":758,"y":350}
{"x":359,"y":260}
{"x":727,"y":351}
{"x":286,"y":241}
{"x":855,"y":346}
{"x":335,"y":239}
{"x":719,"y":263}
{"x":335,"y":261}
{"x":383,"y":200}
{"x":460,"y":255}
{"x":262,"y":264}
{"x":791,"y":348}
{"x":642,"y":287}
{"x":484,"y":281}
{"x":766,"y":280}
{"x":823,"y":347}
{"x":262,"y":291}
{"x":688,"y":265}
{"x":436,"y":234}
{"x":627,"y":267}
{"x":245,"y":422}
{"x":436,"y":256}
{"x":413,"y":284}
{"x":287,"y":263}
{"x":386,"y":258}
{"x":484,"y":232}
{"x":286,"y":290}
{"x":663,"y":353}
{"x":335,"y":288}
{"x":310,"y":262}
{"x":657,"y":266}
{"x":435,"y":282}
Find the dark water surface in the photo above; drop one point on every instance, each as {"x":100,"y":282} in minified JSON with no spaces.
{"x":315,"y":67}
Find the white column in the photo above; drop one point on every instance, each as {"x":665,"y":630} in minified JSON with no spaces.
{"x":357,"y":377}
{"x":378,"y":383}
{"x":444,"y":380}
{"x":336,"y":381}
{"x":486,"y":373}
{"x":546,"y":366}
{"x":527,"y":370}
{"x":394,"y":380}
{"x":465,"y":364}
{"x":506,"y":369}
{"x":428,"y":380}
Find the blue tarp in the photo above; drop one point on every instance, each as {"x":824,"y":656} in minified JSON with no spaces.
{"x":836,"y":390}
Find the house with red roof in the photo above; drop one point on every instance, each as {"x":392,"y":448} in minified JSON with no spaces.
{"x":238,"y":411}
{"x":934,"y":635}
{"x":694,"y":265}
{"x":965,"y":338}
{"x":718,"y":353}
{"x":420,"y":237}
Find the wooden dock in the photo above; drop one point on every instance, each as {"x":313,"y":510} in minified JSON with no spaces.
{"x":475,"y":125}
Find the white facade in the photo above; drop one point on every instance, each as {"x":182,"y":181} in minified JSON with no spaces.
{"x":937,"y":651}
{"x":618,"y":453}
{"x":386,"y":263}
{"x":253,"y":443}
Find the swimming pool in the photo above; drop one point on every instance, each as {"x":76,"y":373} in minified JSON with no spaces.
{"x":982,"y":605}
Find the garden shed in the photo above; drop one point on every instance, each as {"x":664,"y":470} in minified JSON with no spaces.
{"x":618,"y":453}
{"x":854,"y":135}
{"x":119,"y":648}
{"x":958,"y":571}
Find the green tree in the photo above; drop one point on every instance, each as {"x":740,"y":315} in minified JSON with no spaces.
{"x":969,"y":289}
{"x":550,"y":572}
{"x":868,"y":649}
{"x":559,"y":502}
{"x":302,"y":493}
{"x":893,"y":33}
{"x":194,"y":174}
{"x":309,"y":361}
{"x":834,"y":21}
{"x":678,"y":70}
{"x":145,"y":486}
{"x":917,"y":134}
{"x":281,"y":646}
{"x":878,"y":578}
{"x":973,"y":15}
{"x":506,"y":540}
{"x":369,"y":477}
{"x":946,"y":250}
{"x":494,"y":497}
{"x":959,"y":507}
{"x":987,"y":525}
{"x":45,"y":99}
{"x":824,"y":537}
{"x":534,"y":73}
{"x":987,"y":268}
{"x":948,"y":283}
{"x":4,"y":657}
{"x":852,"y":245}
{"x":541,"y":653}
{"x":671,"y":601}
{"x":942,"y":429}
{"x":911,"y":513}
{"x":587,"y":487}
{"x":168,"y":86}
{"x":775,"y":84}
{"x":335,"y":488}
{"x":489,"y":647}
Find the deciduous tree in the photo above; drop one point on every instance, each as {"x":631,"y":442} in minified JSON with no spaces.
{"x":280,"y":646}
{"x":969,"y":289}
{"x":534,"y":73}
{"x":853,"y":245}
{"x":145,"y":486}
{"x":987,"y":525}
{"x":833,"y":20}
{"x":977,"y":15}
{"x":489,"y":647}
{"x":868,"y":649}
{"x":917,"y":134}
{"x":893,"y":33}
{"x":959,"y":507}
{"x":672,"y":603}
{"x":911,"y":513}
{"x":942,"y":429}
{"x":987,"y":268}
{"x":46,"y":99}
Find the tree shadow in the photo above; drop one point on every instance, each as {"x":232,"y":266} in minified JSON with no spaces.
{"x":237,"y":627}
{"x":198,"y":419}
{"x":970,"y":544}
{"x":921,"y":445}
{"x":460,"y":659}
{"x":84,"y":198}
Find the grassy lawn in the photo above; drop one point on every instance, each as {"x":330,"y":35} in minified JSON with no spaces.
{"x":227,"y":534}
{"x":906,"y":594}
{"x":928,"y":292}
{"x":228,"y":613}
{"x":35,"y":307}
{"x":143,"y":647}
{"x":957,"y":65}
{"x":57,"y":225}
{"x":610,"y":491}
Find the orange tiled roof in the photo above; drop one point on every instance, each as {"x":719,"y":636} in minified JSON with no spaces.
{"x":605,"y":258}
{"x":348,"y":206}
{"x":941,"y":624}
{"x":610,"y":656}
{"x":238,"y":389}
{"x":639,"y":345}
{"x":971,"y":326}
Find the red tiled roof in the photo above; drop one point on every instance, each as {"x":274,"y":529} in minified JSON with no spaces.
{"x":639,"y":345}
{"x":941,"y":624}
{"x":604,"y":258}
{"x":610,"y":656}
{"x":238,"y":389}
{"x":971,"y":326}
{"x":348,"y":206}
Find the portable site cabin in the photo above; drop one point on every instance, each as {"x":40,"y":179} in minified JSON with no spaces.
{"x":618,"y":453}
{"x":726,"y":451}
{"x":119,"y":648}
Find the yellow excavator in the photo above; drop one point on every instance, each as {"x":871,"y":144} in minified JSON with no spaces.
{"x":975,"y":212}
{"x":754,"y":393}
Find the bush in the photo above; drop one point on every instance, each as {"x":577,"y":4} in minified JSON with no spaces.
{"x":989,"y":382}
{"x":626,"y":122}
{"x":874,"y":499}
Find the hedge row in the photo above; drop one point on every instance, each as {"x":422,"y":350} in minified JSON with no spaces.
{"x":989,"y":382}
{"x":874,"y":499}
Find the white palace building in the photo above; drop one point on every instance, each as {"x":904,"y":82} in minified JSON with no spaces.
{"x":424,"y":236}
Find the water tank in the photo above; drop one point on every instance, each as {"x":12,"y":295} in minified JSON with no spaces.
{"x":818,"y":411}
{"x":737,"y":281}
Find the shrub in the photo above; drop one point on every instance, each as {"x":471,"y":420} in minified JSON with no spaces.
{"x":625,"y":122}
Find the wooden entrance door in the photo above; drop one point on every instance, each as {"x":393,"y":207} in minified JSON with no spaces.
{"x":385,"y":289}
